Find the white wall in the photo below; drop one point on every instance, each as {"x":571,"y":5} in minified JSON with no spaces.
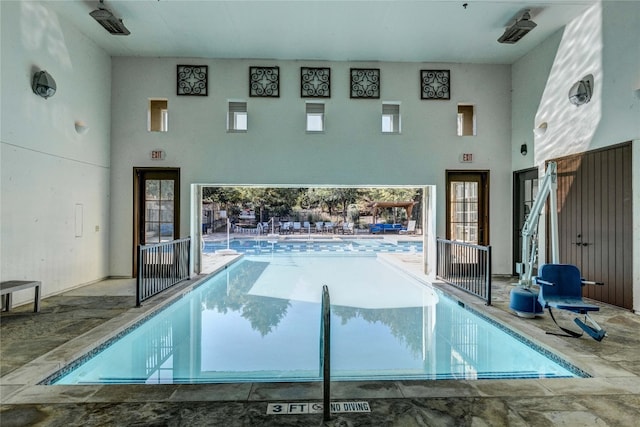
{"x":603,"y":42}
{"x":277,"y":150}
{"x":47,"y":168}
{"x":529,"y":78}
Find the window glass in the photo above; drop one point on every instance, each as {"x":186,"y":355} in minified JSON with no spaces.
{"x":315,"y":116}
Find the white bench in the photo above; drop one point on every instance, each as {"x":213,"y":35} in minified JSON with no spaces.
{"x":10,"y":286}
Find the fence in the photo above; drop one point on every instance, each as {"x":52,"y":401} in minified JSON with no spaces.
{"x":465,"y":266}
{"x":161,"y":266}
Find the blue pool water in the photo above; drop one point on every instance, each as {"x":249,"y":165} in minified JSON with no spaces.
{"x":339,"y":246}
{"x":259,"y":320}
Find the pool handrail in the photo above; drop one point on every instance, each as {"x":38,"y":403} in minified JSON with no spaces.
{"x":325,"y":352}
{"x":160,"y":266}
{"x":466,"y":266}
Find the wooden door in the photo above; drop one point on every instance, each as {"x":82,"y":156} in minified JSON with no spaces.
{"x":156,"y":210}
{"x":468,"y":206}
{"x":595,"y":222}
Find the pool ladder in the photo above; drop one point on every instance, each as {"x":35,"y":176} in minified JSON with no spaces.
{"x":325,"y":352}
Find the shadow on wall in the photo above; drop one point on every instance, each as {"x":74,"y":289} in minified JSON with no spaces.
{"x":562,"y":127}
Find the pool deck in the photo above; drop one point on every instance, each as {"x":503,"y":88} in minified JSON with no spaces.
{"x":34,"y":345}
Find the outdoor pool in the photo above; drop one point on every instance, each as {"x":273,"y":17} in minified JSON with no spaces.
{"x":259,"y":320}
{"x":346,"y":246}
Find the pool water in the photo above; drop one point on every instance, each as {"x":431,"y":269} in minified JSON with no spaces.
{"x":338,"y":246}
{"x":259,"y":320}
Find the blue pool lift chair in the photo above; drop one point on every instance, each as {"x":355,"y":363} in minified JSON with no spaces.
{"x":561,"y":288}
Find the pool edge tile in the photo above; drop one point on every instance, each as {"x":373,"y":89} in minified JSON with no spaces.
{"x":212,"y":392}
{"x":286,"y":391}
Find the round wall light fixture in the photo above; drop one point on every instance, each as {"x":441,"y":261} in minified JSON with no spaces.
{"x":43,"y":84}
{"x":581,"y":91}
{"x":81,"y":127}
{"x":541,"y":129}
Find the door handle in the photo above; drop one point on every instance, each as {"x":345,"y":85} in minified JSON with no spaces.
{"x":580,"y":242}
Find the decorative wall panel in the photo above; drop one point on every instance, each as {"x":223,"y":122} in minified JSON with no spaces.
{"x":192,"y":80}
{"x":365,"y":83}
{"x":264,"y":82}
{"x":315,"y":82}
{"x":436,"y":84}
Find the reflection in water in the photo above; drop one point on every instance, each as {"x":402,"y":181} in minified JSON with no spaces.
{"x":263,"y":313}
{"x":223,"y":332}
{"x":402,"y":323}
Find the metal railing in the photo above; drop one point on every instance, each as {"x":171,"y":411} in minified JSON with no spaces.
{"x":160,"y":266}
{"x":325,"y":352}
{"x":465,"y":266}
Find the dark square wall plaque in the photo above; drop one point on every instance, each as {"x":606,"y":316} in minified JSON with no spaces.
{"x":264,"y":82}
{"x":435,"y":84}
{"x":365,"y":83}
{"x":192,"y":80}
{"x":315,"y":82}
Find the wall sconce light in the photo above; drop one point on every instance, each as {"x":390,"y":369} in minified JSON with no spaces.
{"x":81,"y":127}
{"x":541,"y":129}
{"x":523,"y":149}
{"x":580,"y":92}
{"x":43,"y":84}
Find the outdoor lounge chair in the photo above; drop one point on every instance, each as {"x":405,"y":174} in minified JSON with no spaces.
{"x":561,"y":288}
{"x":319,"y":226}
{"x":411,"y":228}
{"x":285,"y":227}
{"x":347,"y":228}
{"x":297,"y":228}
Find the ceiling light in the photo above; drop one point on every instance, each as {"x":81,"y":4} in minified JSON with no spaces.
{"x":522,"y":25}
{"x":109,"y":22}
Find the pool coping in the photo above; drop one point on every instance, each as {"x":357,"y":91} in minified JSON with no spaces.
{"x":23,"y":384}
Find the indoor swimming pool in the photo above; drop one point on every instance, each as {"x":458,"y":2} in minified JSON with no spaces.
{"x":259,"y":320}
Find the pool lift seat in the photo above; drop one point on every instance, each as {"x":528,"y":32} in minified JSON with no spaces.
{"x":561,"y":288}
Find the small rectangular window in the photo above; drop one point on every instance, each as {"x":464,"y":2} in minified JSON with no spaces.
{"x":390,"y":117}
{"x":466,"y":120}
{"x":237,"y":116}
{"x":315,"y":116}
{"x":158,"y":118}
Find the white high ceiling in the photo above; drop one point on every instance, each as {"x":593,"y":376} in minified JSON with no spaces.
{"x":357,"y":30}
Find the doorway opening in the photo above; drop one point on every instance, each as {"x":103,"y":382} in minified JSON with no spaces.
{"x":318,"y":211}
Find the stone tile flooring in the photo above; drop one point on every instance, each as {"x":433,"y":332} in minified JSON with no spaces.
{"x":33,"y":345}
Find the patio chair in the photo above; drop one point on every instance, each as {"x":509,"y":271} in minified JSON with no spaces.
{"x":328,"y":226}
{"x":561,"y":288}
{"x":319,"y":227}
{"x":297,"y":228}
{"x":285,"y":228}
{"x":347,"y":228}
{"x":411,"y":228}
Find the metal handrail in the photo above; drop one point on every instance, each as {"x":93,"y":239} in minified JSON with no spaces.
{"x":466,"y":266}
{"x":325,"y":352}
{"x":161,"y":266}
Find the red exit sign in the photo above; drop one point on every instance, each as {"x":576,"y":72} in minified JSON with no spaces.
{"x":157,"y":155}
{"x":466,"y":157}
